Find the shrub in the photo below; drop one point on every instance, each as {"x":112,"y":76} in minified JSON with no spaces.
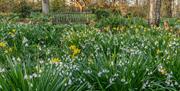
{"x":7,"y":5}
{"x":140,"y":11}
{"x":58,"y":5}
{"x":102,"y":14}
{"x":119,"y":21}
{"x":116,"y":11}
{"x":24,"y":9}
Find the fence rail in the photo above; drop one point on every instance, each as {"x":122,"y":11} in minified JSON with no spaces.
{"x":72,"y":17}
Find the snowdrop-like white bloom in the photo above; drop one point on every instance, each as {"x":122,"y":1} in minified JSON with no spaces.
{"x":19,"y":59}
{"x":87,"y":71}
{"x":70,"y":82}
{"x":105,"y":71}
{"x":111,"y":80}
{"x":26,"y":77}
{"x":25,"y":40}
{"x":2,"y":70}
{"x":41,"y":62}
{"x":99,"y":74}
{"x":34,"y":75}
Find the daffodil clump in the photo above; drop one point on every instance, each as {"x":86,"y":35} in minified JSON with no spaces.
{"x":12,"y":33}
{"x":8,"y":50}
{"x":75,"y":51}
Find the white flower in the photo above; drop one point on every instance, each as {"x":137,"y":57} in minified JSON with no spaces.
{"x":65,"y":84}
{"x":87,"y":71}
{"x":99,"y":74}
{"x":25,"y":40}
{"x":168,"y":82}
{"x":156,"y":42}
{"x":172,"y":85}
{"x":31,"y":85}
{"x":89,"y":85}
{"x":13,"y":58}
{"x":116,"y":75}
{"x":41,"y":62}
{"x":105,"y":71}
{"x":26,"y":77}
{"x":18,"y":59}
{"x":30,"y":76}
{"x":39,"y":47}
{"x":26,"y":44}
{"x":40,"y":71}
{"x":123,"y":80}
{"x":111,"y":80}
{"x":69,"y":82}
{"x":176,"y":83}
{"x":2,"y":70}
{"x":34,"y":75}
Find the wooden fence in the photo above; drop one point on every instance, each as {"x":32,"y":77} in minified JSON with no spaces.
{"x":72,"y":17}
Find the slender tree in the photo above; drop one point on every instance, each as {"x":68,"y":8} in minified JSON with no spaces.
{"x":154,"y":12}
{"x":174,"y":7}
{"x":168,"y":4}
{"x":122,"y":1}
{"x":137,"y":2}
{"x":45,"y":6}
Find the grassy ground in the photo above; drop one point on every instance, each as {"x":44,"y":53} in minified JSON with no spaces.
{"x":78,"y":57}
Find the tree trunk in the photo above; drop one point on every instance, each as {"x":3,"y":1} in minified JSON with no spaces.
{"x":45,"y":6}
{"x":137,"y":2}
{"x":154,"y":12}
{"x":174,"y":8}
{"x":122,"y":1}
{"x":170,"y":7}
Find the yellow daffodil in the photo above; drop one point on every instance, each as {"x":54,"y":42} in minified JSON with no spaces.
{"x":55,"y":60}
{"x":8,"y":50}
{"x":14,"y":30}
{"x":158,"y":51}
{"x":2,"y":44}
{"x":72,"y":47}
{"x":74,"y":50}
{"x":145,"y":29}
{"x":12,"y":33}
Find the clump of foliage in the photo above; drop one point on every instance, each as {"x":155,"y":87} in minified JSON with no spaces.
{"x":138,"y":11}
{"x":7,"y":5}
{"x":78,"y":58}
{"x":116,"y":11}
{"x":24,"y":9}
{"x":58,"y":5}
{"x":100,"y":13}
{"x":117,"y":22}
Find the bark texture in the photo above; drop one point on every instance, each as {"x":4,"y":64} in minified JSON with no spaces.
{"x":45,"y":6}
{"x":154,"y":12}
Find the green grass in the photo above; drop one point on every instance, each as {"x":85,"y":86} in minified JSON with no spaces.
{"x":137,"y":58}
